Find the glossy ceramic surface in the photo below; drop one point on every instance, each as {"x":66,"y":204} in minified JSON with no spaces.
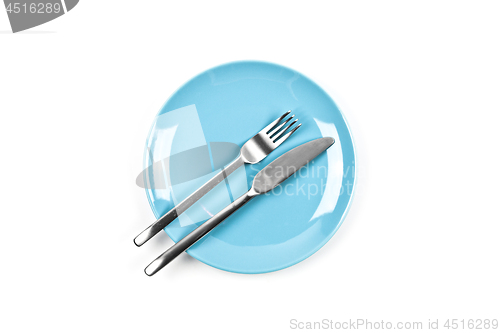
{"x":200,"y":128}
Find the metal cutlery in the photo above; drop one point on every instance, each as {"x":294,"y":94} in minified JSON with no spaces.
{"x":253,"y":151}
{"x":266,"y":180}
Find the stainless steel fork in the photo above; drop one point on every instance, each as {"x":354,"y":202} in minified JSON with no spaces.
{"x":253,"y":151}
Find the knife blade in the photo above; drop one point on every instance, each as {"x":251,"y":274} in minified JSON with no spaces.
{"x":267,"y":179}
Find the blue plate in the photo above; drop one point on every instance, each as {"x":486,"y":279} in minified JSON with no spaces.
{"x":200,"y":128}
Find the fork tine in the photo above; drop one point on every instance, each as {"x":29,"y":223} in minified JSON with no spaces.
{"x":274,"y":123}
{"x":284,"y":130}
{"x":287,"y":135}
{"x":280,"y":126}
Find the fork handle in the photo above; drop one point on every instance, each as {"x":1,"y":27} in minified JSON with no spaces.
{"x":197,"y":234}
{"x":166,"y":219}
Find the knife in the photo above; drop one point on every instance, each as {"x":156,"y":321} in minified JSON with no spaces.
{"x":266,"y":180}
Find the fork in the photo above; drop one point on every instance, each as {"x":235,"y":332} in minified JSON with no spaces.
{"x":252,"y":152}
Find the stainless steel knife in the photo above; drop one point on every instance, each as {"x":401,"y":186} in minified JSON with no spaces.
{"x":267,"y":179}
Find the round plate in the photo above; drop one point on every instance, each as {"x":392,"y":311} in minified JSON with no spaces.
{"x":201,"y":127}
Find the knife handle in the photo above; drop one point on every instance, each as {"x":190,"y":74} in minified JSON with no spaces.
{"x":197,"y":234}
{"x":166,"y":219}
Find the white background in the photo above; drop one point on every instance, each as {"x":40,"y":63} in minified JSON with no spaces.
{"x":418,"y":83}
